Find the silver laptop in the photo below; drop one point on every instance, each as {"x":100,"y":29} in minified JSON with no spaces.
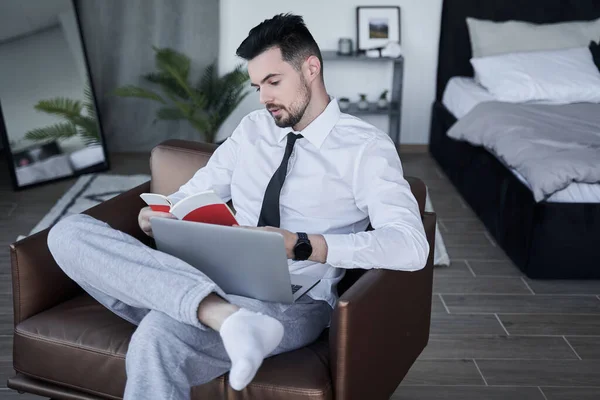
{"x":244,"y":262}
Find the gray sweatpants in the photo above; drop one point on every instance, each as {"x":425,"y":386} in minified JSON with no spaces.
{"x":170,"y":351}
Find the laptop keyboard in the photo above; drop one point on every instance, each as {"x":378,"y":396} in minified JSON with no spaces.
{"x":295,"y":288}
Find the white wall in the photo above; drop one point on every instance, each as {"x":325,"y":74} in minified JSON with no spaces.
{"x":328,"y":20}
{"x":68,"y":22}
{"x":34,"y":68}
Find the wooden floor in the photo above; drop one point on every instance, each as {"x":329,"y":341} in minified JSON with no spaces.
{"x":494,"y":335}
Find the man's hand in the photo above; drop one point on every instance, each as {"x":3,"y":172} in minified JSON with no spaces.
{"x":144,"y":219}
{"x":318,"y":243}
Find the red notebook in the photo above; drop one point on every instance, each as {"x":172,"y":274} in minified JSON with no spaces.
{"x":204,"y":207}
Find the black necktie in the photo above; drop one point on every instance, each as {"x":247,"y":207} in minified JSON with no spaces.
{"x":269,"y":213}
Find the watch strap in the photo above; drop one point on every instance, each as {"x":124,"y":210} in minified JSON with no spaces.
{"x":302,"y":241}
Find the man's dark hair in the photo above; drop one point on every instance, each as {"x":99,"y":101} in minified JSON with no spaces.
{"x":286,"y":31}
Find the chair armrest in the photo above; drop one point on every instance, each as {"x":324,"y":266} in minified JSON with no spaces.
{"x":38,"y":282}
{"x":379,"y":328}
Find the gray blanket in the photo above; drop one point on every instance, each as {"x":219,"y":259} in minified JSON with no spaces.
{"x":551,"y":146}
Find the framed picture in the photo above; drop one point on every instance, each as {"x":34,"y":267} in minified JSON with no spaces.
{"x":376,"y":26}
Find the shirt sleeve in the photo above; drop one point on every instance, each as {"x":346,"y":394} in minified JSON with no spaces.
{"x":217,"y":172}
{"x":398,"y":240}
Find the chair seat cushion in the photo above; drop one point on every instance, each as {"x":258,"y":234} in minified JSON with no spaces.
{"x":81,"y":344}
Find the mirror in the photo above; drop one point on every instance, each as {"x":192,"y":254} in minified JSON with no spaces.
{"x":48,"y":115}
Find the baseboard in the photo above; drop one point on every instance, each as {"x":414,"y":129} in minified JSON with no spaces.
{"x":413,"y":148}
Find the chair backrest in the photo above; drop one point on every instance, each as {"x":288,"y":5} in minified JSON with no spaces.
{"x":174,"y":162}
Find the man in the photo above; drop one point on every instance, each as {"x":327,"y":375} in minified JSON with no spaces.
{"x":300,"y":168}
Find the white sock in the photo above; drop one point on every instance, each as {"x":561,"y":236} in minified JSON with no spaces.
{"x":248,"y":338}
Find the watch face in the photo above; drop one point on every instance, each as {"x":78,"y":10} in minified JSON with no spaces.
{"x":302,"y":251}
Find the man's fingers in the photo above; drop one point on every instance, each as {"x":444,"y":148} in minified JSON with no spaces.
{"x":147,"y":212}
{"x":161,"y":214}
{"x":146,"y":228}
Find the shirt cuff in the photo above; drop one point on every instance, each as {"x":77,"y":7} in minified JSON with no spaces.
{"x":340,"y":250}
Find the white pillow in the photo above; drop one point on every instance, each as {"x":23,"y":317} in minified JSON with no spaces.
{"x":490,"y":38}
{"x":559,"y":76}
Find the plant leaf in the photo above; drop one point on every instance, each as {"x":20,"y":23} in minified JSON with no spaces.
{"x":222,"y":94}
{"x":206,"y":105}
{"x":175,"y":65}
{"x":60,"y":106}
{"x":135,"y":91}
{"x":88,"y":126}
{"x":201,"y":101}
{"x":61,"y":130}
{"x":89,"y":101}
{"x":200,"y":124}
{"x":187,"y":109}
{"x":172,"y":62}
{"x":234,"y":91}
{"x":208,"y":84}
{"x":170,"y":113}
{"x":89,"y":136}
{"x":168,"y":84}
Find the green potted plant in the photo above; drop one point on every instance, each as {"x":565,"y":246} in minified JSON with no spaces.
{"x":383,"y":102}
{"x":363,"y":104}
{"x":206,"y":104}
{"x":79,"y":120}
{"x":344,"y":103}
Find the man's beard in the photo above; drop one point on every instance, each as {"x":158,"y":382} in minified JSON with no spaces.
{"x":296,"y":110}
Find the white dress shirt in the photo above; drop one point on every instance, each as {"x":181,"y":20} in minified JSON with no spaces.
{"x":343,"y":174}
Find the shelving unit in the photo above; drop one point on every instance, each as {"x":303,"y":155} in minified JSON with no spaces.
{"x":373,"y":109}
{"x":394,"y":110}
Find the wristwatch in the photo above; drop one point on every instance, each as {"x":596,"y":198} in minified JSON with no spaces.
{"x":303,"y":248}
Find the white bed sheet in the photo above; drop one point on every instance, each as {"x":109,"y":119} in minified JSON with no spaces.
{"x":462,"y":94}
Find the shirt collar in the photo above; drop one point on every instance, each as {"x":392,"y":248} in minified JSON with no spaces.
{"x":319,"y":128}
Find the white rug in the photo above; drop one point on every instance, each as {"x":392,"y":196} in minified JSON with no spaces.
{"x":89,"y":190}
{"x":440,"y":255}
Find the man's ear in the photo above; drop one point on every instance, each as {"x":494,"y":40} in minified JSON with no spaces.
{"x":312,"y":68}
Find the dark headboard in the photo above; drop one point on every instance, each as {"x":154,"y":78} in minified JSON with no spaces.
{"x":455,"y":45}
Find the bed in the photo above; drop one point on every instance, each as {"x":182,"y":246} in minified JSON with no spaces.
{"x":555,"y":238}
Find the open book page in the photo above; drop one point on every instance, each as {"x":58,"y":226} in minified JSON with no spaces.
{"x":204,"y":207}
{"x":157,"y":202}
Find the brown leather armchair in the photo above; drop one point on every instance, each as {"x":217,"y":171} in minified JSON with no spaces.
{"x":68,"y":346}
